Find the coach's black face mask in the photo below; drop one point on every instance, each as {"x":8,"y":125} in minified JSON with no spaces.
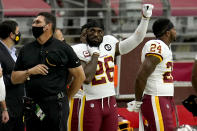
{"x":37,"y":31}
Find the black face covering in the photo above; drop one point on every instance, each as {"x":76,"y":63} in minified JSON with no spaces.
{"x":37,"y":31}
{"x":17,"y":38}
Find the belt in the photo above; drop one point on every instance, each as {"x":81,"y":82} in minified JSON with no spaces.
{"x":60,"y":95}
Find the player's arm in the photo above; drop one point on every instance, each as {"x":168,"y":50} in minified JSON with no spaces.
{"x":78,"y":76}
{"x":194,"y":76}
{"x":134,"y":40}
{"x":90,"y":68}
{"x":147,"y":67}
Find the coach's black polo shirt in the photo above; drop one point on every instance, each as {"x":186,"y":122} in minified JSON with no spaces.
{"x":57,"y":56}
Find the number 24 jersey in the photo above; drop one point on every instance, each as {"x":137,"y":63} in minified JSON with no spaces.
{"x":160,"y":82}
{"x":102,"y":84}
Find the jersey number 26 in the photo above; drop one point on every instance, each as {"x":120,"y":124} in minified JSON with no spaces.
{"x":104,"y":68}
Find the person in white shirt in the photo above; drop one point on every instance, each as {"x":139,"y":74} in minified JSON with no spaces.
{"x":5,"y":116}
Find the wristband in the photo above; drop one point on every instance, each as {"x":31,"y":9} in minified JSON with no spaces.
{"x":27,"y":74}
{"x":6,"y":109}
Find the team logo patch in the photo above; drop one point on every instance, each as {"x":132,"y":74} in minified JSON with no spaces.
{"x":108,"y":47}
{"x":167,"y":106}
{"x":86,"y":53}
{"x":92,"y":105}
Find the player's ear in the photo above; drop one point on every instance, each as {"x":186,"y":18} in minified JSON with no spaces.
{"x":167,"y":33}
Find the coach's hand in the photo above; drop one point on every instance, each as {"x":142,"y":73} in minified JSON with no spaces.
{"x":5,"y":116}
{"x":134,"y":106}
{"x":93,"y":50}
{"x":38,"y":69}
{"x":147,"y":10}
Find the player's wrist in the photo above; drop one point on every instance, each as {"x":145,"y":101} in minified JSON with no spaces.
{"x":138,"y":99}
{"x":144,"y":17}
{"x":5,"y":110}
{"x":95,"y":54}
{"x":138,"y":102}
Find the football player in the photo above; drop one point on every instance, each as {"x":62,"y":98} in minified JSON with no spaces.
{"x":76,"y":102}
{"x":97,"y":57}
{"x":155,"y":80}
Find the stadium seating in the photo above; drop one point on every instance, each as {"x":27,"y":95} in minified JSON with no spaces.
{"x":24,"y":7}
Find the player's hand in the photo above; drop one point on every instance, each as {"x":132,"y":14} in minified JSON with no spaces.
{"x":134,"y":106}
{"x":147,"y":10}
{"x":93,"y":50}
{"x":38,"y":69}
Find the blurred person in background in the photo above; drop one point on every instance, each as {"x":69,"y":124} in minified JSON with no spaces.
{"x":44,"y":65}
{"x":76,"y":102}
{"x":3,"y":107}
{"x":154,"y":88}
{"x":190,"y":102}
{"x":9,"y":37}
{"x":59,"y":35}
{"x":83,"y":35}
{"x":99,"y":110}
{"x":194,"y":75}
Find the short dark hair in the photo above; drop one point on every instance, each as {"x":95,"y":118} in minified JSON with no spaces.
{"x":160,"y":26}
{"x":94,"y":23}
{"x":6,"y":27}
{"x":49,"y":18}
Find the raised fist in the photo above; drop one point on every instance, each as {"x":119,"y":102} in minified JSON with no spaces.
{"x":147,"y":10}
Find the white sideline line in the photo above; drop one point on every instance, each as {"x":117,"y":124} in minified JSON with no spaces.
{"x":125,"y":96}
{"x":182,"y":84}
{"x":176,"y":84}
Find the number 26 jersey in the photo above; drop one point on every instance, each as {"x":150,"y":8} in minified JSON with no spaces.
{"x":102,"y":84}
{"x":160,"y":82}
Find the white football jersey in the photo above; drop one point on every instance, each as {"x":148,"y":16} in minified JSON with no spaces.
{"x":102,"y":84}
{"x":160,"y":82}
